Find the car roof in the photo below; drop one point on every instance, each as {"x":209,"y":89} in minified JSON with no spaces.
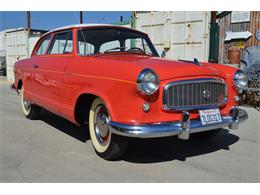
{"x":88,"y":25}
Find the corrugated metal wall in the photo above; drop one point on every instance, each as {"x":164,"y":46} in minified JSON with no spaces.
{"x":253,"y":27}
{"x":225,"y":25}
{"x":182,"y":34}
{"x":18,"y":46}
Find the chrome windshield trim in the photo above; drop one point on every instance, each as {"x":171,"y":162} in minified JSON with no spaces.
{"x":202,"y":80}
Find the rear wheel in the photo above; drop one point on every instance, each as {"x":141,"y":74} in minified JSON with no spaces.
{"x":107,"y":145}
{"x":31,"y":111}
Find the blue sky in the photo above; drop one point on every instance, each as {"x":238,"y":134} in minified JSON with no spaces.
{"x":49,"y":20}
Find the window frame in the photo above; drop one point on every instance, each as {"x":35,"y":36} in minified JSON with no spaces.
{"x":148,"y":40}
{"x":53,"y":39}
{"x":34,"y":53}
{"x":77,"y":42}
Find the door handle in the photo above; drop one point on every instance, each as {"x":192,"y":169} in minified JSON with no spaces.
{"x":35,"y":66}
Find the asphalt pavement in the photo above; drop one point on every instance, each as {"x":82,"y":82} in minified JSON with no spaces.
{"x":54,"y":150}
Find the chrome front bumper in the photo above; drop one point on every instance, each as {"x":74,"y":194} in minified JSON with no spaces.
{"x":181,"y":129}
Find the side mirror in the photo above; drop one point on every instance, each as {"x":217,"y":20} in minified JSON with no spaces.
{"x":163,"y":54}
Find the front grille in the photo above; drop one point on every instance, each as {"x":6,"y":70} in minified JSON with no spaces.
{"x":194,"y":94}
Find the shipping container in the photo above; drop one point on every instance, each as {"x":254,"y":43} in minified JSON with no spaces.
{"x":2,"y":53}
{"x":19,"y":45}
{"x":181,"y":34}
{"x":2,"y":44}
{"x":126,"y":24}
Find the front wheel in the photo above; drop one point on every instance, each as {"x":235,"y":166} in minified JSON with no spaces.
{"x":31,"y":111}
{"x":107,"y":145}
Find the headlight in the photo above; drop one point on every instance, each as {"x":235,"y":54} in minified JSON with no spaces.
{"x":239,"y":79}
{"x":147,"y":82}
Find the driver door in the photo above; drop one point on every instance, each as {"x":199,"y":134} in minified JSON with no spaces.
{"x":51,"y":68}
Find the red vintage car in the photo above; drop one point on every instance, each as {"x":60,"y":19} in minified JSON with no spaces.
{"x":112,"y":81}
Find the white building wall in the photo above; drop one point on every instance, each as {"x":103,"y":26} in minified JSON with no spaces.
{"x":183,"y":35}
{"x":18,"y":46}
{"x":2,"y":49}
{"x":32,"y":41}
{"x":16,"y":49}
{"x":2,"y":43}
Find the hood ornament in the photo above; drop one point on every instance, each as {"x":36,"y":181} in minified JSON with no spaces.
{"x":206,"y":94}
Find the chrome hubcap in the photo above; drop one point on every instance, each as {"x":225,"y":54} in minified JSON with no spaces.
{"x":101,"y":125}
{"x":27,"y":104}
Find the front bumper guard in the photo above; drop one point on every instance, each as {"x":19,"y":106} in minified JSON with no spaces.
{"x":182,"y":129}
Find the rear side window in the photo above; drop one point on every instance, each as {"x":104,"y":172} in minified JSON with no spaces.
{"x":62,"y":43}
{"x":43,"y":46}
{"x":110,"y":45}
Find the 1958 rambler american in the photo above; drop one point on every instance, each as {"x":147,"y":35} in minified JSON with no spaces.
{"x":111,"y":80}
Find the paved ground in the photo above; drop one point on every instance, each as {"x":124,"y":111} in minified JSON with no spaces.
{"x":54,"y":150}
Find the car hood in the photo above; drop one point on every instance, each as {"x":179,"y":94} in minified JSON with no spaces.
{"x":164,"y":68}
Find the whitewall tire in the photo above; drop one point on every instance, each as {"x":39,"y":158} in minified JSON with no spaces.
{"x":106,"y":144}
{"x":31,"y":111}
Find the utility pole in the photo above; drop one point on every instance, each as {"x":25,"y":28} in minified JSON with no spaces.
{"x":29,"y":22}
{"x":213,"y":16}
{"x":81,"y":17}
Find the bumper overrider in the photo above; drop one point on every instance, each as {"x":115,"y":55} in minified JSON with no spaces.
{"x":181,"y":129}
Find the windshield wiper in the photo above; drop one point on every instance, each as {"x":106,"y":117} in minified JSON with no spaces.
{"x":195,"y":61}
{"x":115,"y":48}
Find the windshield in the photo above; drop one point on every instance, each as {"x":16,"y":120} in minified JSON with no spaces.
{"x":107,"y":40}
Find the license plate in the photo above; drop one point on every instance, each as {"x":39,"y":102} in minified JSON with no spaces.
{"x":210,"y":116}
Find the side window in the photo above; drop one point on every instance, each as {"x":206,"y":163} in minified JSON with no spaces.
{"x":85,"y":48}
{"x":62,"y":43}
{"x":109,"y":45}
{"x":43,"y":46}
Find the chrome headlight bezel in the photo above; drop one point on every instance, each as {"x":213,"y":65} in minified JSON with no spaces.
{"x":240,"y":80}
{"x":147,"y":82}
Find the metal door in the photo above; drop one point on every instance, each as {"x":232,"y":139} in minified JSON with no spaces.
{"x":183,"y":35}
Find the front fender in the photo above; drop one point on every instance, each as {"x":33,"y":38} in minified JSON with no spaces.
{"x":99,"y":94}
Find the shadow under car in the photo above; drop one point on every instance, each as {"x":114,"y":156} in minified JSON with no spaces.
{"x":151,"y":150}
